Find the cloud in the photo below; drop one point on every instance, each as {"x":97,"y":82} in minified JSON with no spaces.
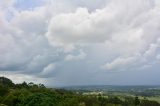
{"x":80,"y":56}
{"x":75,"y":27}
{"x":24,"y":48}
{"x":49,"y":39}
{"x":18,"y":78}
{"x":120,"y":64}
{"x":48,"y":69}
{"x":6,"y":3}
{"x":137,"y":61}
{"x":102,"y":25}
{"x":153,"y":49}
{"x":158,"y":57}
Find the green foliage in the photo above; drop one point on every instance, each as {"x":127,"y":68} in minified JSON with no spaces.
{"x":3,"y":90}
{"x":38,"y":95}
{"x":114,"y":100}
{"x":10,"y":100}
{"x":37,"y":99}
{"x":89,"y":100}
{"x":69,"y":102}
{"x":149,"y":103}
{"x":129,"y":101}
{"x":6,"y":82}
{"x":102,"y":101}
{"x":137,"y":101}
{"x":2,"y":105}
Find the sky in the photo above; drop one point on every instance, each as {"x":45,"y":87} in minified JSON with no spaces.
{"x":80,"y":42}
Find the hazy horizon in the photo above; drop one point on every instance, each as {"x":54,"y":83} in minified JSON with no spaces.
{"x":80,"y":42}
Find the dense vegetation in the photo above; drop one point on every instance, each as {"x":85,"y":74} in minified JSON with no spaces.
{"x":30,"y":94}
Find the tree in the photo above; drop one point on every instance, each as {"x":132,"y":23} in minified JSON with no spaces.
{"x":6,"y":82}
{"x":137,"y":101}
{"x":128,"y":101}
{"x":114,"y":100}
{"x":3,"y":90}
{"x":101,"y":100}
{"x":37,"y":99}
{"x":149,"y":103}
{"x":41,"y":86}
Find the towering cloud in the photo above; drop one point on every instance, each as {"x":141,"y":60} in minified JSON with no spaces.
{"x":63,"y":41}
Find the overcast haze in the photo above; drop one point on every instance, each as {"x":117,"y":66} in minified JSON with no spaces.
{"x":80,"y":42}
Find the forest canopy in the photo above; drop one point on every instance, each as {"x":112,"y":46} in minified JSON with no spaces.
{"x":30,"y":94}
